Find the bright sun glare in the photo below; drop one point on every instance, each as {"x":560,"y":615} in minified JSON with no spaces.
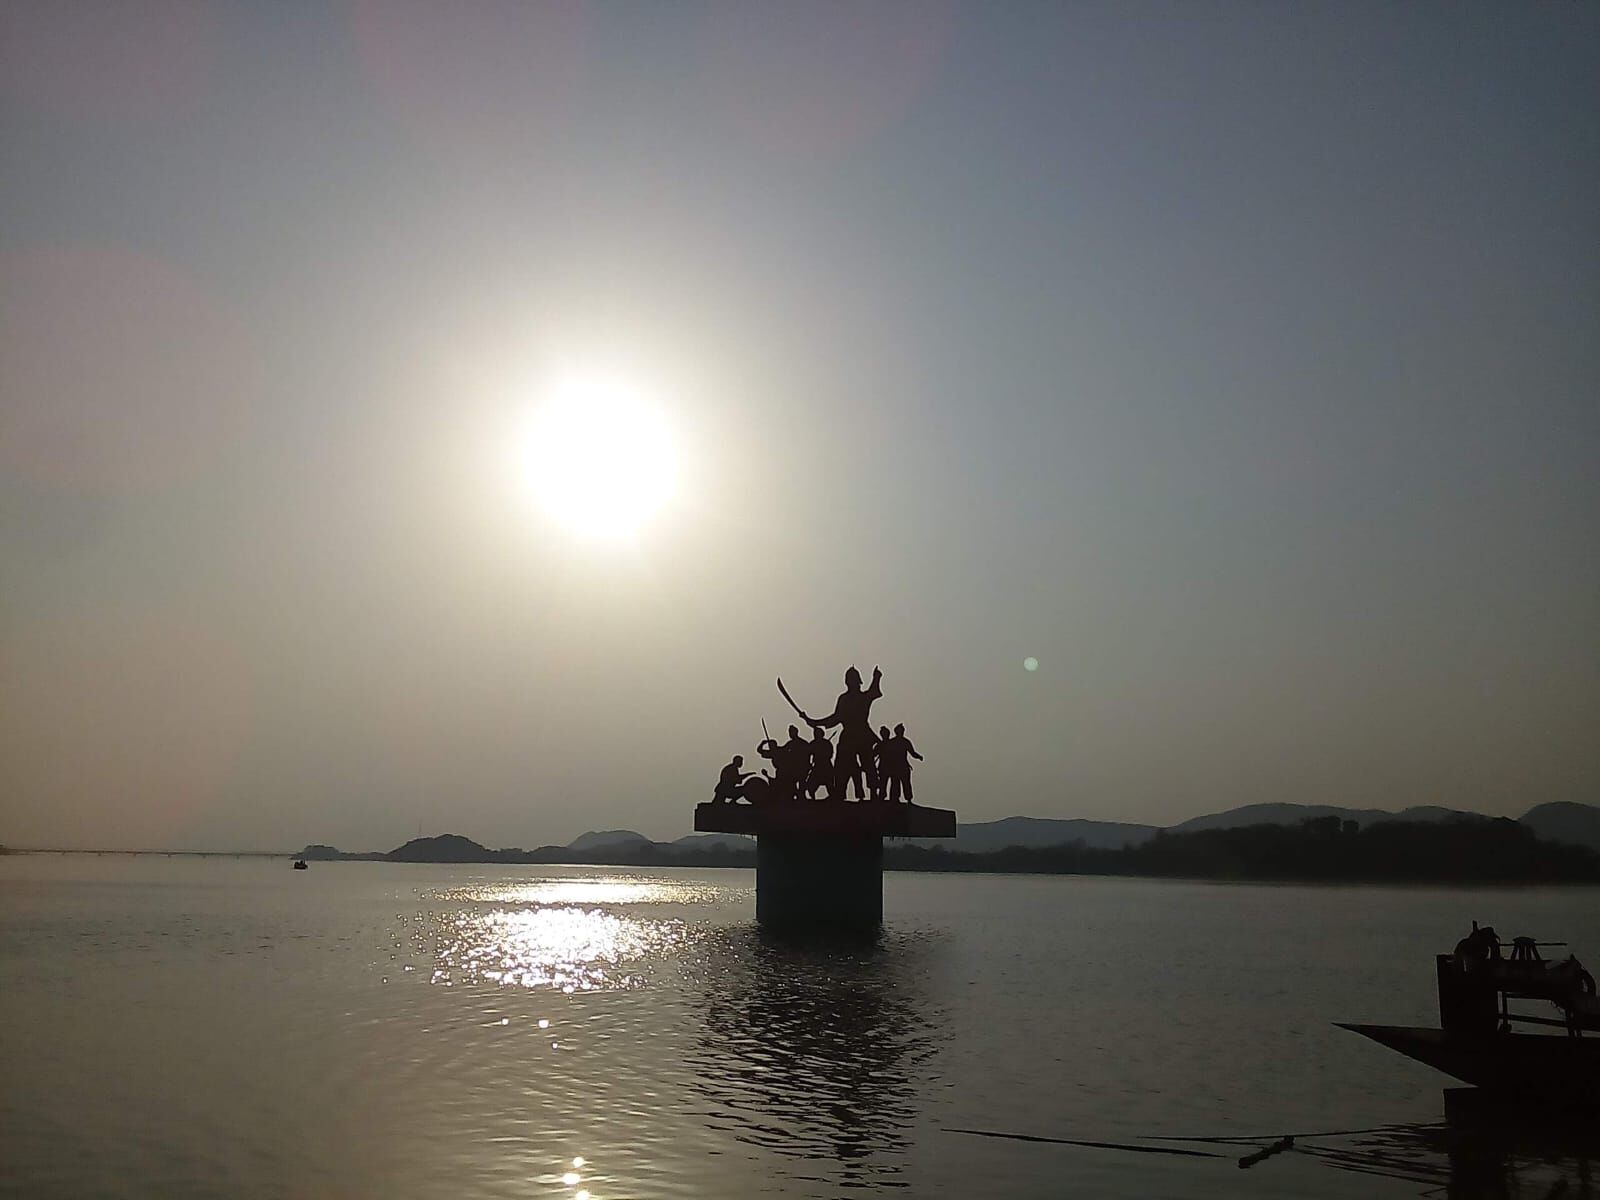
{"x":601,"y":459}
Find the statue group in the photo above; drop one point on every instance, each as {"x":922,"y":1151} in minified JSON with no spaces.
{"x":877,"y":766}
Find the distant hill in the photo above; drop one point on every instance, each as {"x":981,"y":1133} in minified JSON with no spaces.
{"x":621,"y":847}
{"x":708,"y":841}
{"x":446,"y":848}
{"x":979,"y":837}
{"x":1293,"y":814}
{"x":983,"y":837}
{"x":607,"y":837}
{"x":1575,"y":824}
{"x":1564,"y":821}
{"x":316,"y":852}
{"x":1326,"y":849}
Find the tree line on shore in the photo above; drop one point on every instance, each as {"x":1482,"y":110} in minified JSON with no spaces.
{"x":1324,"y":849}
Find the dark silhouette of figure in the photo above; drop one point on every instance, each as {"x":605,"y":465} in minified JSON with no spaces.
{"x":1478,"y":948}
{"x":852,"y":713}
{"x":820,"y":774}
{"x":769,"y":749}
{"x":879,"y":783}
{"x":861,"y":780}
{"x":894,"y":758}
{"x":793,"y":764}
{"x":730,"y":783}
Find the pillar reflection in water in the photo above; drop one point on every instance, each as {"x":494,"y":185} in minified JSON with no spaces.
{"x":1484,"y":1149}
{"x":817,"y":1051}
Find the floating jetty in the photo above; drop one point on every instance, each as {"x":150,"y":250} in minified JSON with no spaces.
{"x":1475,"y":1041}
{"x":819,"y":863}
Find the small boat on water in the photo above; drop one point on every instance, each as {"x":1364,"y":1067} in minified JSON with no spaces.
{"x":300,"y":865}
{"x":1477,"y":1042}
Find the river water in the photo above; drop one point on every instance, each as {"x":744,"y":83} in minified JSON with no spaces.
{"x":220,"y":1027}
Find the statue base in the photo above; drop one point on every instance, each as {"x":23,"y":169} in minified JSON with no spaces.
{"x":819,"y":865}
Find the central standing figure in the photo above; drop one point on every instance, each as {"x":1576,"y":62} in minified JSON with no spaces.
{"x":852,"y":712}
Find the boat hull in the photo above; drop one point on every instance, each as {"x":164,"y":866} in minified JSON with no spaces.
{"x":1562,"y":1069}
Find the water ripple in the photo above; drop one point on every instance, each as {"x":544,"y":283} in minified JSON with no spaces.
{"x":815,"y":1053}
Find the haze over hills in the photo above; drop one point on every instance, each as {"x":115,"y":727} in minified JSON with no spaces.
{"x":1564,"y":821}
{"x":606,"y":837}
{"x":1434,"y":845}
{"x":1568,"y":822}
{"x":629,"y":837}
{"x":979,"y":837}
{"x":1289,"y":814}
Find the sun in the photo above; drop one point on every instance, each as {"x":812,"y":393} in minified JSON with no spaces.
{"x":601,"y":459}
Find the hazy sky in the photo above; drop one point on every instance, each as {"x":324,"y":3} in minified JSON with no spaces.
{"x":1239,"y":362}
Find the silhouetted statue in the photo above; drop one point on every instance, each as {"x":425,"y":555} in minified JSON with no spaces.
{"x":769,"y":749}
{"x":879,"y":782}
{"x":820,"y":774}
{"x":794,"y":764}
{"x":894,"y":759}
{"x":730,"y":783}
{"x":852,"y":713}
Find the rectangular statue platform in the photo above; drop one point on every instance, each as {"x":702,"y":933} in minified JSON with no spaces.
{"x":820,"y":864}
{"x":826,"y":818}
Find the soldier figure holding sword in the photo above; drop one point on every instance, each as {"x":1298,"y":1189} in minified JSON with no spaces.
{"x":852,"y":713}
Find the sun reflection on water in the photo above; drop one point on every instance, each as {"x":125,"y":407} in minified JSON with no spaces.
{"x":573,"y":949}
{"x":587,"y":890}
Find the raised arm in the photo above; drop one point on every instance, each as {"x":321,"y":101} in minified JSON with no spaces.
{"x":826,"y":722}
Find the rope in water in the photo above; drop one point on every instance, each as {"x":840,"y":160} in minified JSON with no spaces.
{"x":1029,"y":1137}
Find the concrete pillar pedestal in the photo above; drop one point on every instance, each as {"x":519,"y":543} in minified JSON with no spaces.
{"x":820,"y":865}
{"x":819,"y":881}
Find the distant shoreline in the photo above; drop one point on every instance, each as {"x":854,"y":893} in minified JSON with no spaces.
{"x":20,"y":850}
{"x":1319,"y":849}
{"x":1496,"y":852}
{"x":949,"y":863}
